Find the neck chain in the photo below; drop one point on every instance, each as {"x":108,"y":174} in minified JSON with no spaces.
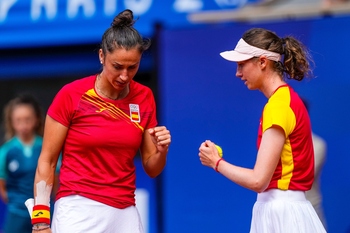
{"x":100,"y":91}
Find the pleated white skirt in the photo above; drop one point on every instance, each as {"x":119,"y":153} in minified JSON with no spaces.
{"x":278,"y":211}
{"x":78,"y":214}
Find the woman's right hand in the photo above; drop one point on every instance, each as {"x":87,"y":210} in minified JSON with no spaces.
{"x":208,"y":154}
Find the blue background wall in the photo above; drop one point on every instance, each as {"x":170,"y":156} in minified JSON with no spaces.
{"x":201,"y":98}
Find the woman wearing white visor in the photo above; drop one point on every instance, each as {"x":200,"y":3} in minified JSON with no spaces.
{"x":284,"y":167}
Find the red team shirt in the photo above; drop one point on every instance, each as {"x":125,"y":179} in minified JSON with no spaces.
{"x":103,"y":138}
{"x":295,"y":170}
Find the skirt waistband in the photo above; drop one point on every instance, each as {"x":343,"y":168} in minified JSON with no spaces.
{"x":277,"y":194}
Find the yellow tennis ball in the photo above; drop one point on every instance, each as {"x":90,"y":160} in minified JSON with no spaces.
{"x":219,"y":150}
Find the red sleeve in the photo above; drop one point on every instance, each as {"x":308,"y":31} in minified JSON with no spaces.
{"x":153,"y":119}
{"x":61,"y":108}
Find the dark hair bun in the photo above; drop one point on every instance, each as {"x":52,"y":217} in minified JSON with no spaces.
{"x":123,"y":19}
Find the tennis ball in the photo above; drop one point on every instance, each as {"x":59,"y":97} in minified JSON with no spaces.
{"x":219,"y":150}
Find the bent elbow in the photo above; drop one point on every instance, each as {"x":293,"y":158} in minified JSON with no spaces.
{"x":153,"y":174}
{"x":260,"y":186}
{"x":153,"y":171}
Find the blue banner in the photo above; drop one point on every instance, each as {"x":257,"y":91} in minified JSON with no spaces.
{"x":33,"y":23}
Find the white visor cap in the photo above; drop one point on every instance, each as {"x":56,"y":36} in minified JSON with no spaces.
{"x":245,"y":51}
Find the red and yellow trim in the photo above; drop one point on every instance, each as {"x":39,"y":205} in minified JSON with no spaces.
{"x":41,"y":214}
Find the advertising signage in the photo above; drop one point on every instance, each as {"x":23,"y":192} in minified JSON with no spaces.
{"x":32,"y":23}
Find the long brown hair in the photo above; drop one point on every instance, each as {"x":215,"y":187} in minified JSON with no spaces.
{"x":296,"y":58}
{"x":20,"y":100}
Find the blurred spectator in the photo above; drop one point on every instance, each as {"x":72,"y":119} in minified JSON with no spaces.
{"x":18,"y":160}
{"x":329,"y":3}
{"x":314,"y":195}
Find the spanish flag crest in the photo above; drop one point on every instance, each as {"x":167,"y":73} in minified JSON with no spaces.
{"x":134,"y":112}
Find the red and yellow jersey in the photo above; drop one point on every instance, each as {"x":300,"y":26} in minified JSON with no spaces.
{"x":295,"y":170}
{"x":103,"y":138}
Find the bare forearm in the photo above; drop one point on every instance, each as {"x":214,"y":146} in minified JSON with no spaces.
{"x":256,"y":179}
{"x":154,"y":150}
{"x":155,"y":164}
{"x":44,"y":172}
{"x":244,"y":177}
{"x":54,"y":136}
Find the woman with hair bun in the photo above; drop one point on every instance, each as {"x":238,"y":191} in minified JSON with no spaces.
{"x":284,"y":167}
{"x":100,"y":122}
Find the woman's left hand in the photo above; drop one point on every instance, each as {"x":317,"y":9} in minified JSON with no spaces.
{"x":160,"y":137}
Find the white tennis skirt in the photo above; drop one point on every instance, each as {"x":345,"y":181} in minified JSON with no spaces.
{"x":82,"y":215}
{"x":278,"y":211}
